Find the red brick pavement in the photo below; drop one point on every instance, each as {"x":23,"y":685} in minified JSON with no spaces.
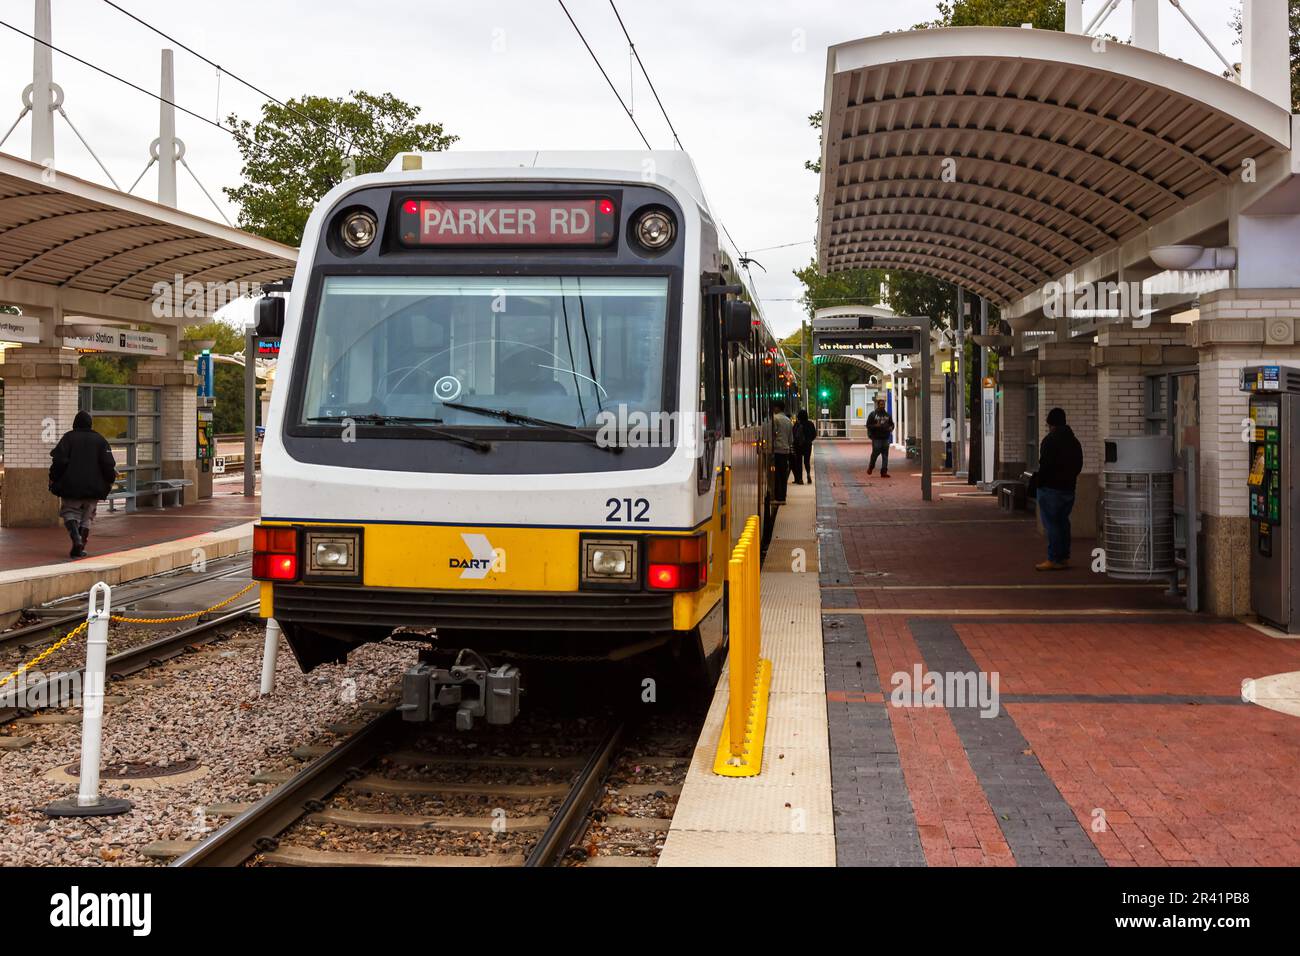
{"x":112,"y":532}
{"x":1177,"y":772}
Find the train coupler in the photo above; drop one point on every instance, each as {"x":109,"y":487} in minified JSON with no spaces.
{"x":489,"y":693}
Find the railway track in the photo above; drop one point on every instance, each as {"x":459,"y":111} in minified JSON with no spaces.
{"x":267,"y":832}
{"x":56,"y":690}
{"x":127,"y":597}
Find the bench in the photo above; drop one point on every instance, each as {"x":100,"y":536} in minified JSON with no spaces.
{"x":161,"y":489}
{"x":126,"y":496}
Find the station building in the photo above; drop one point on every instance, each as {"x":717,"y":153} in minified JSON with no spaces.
{"x":1133,"y":218}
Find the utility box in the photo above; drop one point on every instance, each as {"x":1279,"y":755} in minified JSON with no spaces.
{"x":1271,"y":489}
{"x":1138,"y":507}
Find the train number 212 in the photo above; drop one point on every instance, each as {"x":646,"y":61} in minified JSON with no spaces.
{"x":636,"y":509}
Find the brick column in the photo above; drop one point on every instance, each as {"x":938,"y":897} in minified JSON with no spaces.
{"x":1013,"y":375}
{"x":40,"y":403}
{"x":1123,"y":357}
{"x":178,"y":416}
{"x":1238,"y":327}
{"x":1065,"y":379}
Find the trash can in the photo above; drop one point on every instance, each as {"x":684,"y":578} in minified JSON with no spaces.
{"x":1138,"y":507}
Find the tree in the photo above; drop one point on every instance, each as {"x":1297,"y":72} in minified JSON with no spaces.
{"x":852,"y":287}
{"x":1294,"y":11}
{"x":299,"y":152}
{"x":1043,"y":14}
{"x":227,"y":380}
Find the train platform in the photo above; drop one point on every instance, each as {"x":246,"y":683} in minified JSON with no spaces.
{"x":971,"y":711}
{"x":35,"y":567}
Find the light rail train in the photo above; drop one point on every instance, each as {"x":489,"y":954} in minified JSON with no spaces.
{"x":523,"y":413}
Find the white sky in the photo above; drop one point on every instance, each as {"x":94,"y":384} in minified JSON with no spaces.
{"x":738,"y":78}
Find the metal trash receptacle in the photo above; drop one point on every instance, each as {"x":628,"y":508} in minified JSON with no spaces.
{"x":1138,"y":507}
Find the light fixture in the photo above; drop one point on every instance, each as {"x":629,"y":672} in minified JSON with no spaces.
{"x":655,"y":229}
{"x":359,"y":229}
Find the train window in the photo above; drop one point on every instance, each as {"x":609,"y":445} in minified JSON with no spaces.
{"x":560,"y":348}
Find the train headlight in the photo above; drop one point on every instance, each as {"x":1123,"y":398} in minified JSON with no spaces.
{"x":655,"y":229}
{"x":610,"y":563}
{"x":333,"y":554}
{"x":358,"y":229}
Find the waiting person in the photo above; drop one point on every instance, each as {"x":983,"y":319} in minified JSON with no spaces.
{"x":805,"y":433}
{"x":782,"y":446}
{"x":1060,"y":459}
{"x":81,"y":474}
{"x":879,"y":429}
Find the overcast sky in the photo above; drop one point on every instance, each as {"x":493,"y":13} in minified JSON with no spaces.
{"x":738,"y":78}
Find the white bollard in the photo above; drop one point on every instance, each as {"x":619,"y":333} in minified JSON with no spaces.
{"x":269,"y":651}
{"x":88,"y":802}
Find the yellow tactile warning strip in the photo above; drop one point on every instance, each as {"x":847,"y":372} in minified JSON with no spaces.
{"x":783,"y":816}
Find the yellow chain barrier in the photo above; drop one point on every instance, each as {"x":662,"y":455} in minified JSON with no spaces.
{"x":122,"y":620}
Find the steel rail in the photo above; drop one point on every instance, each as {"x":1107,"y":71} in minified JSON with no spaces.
{"x":571,"y":819}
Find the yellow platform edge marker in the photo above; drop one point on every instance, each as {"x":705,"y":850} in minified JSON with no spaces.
{"x":749,"y":679}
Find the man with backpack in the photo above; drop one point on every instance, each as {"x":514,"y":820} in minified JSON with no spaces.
{"x":880,"y":426}
{"x":81,"y":474}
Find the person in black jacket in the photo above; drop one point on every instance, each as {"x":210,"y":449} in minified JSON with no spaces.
{"x":805,"y":433}
{"x":81,"y":474}
{"x":1060,"y":459}
{"x":880,"y":426}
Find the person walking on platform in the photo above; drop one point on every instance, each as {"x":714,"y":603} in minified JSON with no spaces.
{"x":81,"y":474}
{"x":782,"y":446}
{"x":1060,"y":459}
{"x":879,"y":429}
{"x":805,"y":433}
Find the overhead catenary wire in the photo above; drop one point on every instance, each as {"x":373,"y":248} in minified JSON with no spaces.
{"x":613,"y":89}
{"x":234,"y":76}
{"x":632,"y":47}
{"x":139,"y":89}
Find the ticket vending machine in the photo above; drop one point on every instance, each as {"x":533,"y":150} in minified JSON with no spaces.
{"x":205,"y":439}
{"x":1274,"y":465}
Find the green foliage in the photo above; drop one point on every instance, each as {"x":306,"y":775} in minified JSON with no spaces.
{"x":106,"y":369}
{"x":227,"y":380}
{"x":854,"y":287}
{"x":10,"y":310}
{"x":290,"y":161}
{"x":1043,"y":14}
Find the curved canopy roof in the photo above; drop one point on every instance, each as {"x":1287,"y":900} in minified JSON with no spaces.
{"x":63,"y":232}
{"x":999,"y":159}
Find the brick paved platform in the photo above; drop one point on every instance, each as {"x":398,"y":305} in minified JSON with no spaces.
{"x":1117,"y":734}
{"x":35,"y":567}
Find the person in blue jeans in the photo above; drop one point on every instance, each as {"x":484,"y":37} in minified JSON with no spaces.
{"x":1060,"y":459}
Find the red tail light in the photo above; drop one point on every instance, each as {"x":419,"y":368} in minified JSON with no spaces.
{"x":678,"y":564}
{"x":275,"y":554}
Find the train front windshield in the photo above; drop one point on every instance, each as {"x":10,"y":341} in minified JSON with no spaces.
{"x":561,"y":348}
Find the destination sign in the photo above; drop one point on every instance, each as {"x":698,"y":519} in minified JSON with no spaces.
{"x":865,"y":342}
{"x":587,"y":221}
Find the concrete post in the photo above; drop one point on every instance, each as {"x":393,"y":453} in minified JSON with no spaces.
{"x":1146,"y":24}
{"x":42,"y":87}
{"x":1265,"y":50}
{"x":167,"y":134}
{"x":1073,"y":16}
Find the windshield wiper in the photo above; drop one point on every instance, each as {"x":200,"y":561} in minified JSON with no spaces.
{"x":421,"y":423}
{"x":514,"y":418}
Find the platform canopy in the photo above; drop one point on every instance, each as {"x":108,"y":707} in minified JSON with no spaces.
{"x":77,"y":247}
{"x":1000,"y":159}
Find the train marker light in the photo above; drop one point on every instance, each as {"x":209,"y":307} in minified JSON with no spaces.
{"x":678,"y":564}
{"x":275,"y":554}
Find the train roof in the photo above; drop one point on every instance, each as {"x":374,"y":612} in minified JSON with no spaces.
{"x":669,"y":164}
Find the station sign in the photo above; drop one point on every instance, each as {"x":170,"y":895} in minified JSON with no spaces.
{"x":107,"y":338}
{"x":866,"y":342}
{"x":25,"y":329}
{"x":445,"y":222}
